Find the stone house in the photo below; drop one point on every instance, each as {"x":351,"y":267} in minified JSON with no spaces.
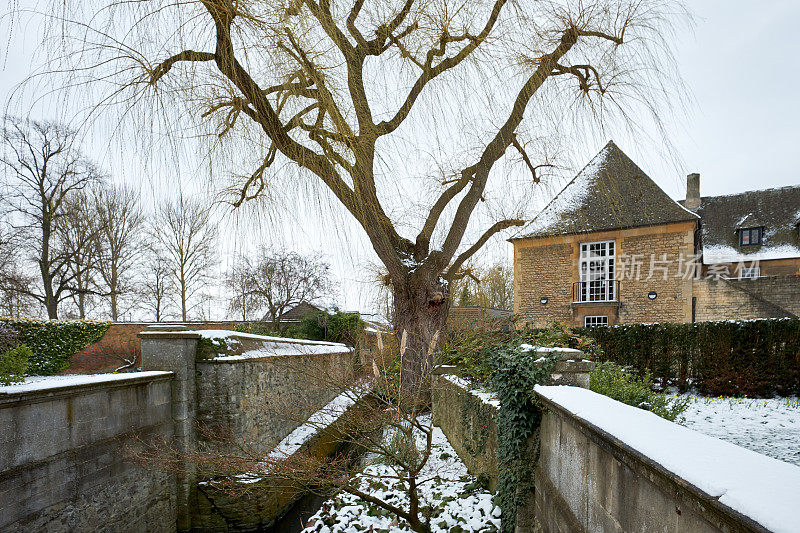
{"x":613,"y":248}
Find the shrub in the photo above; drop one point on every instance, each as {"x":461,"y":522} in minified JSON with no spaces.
{"x":470,"y":350}
{"x":211,"y":348}
{"x":731,"y":358}
{"x":257,"y":328}
{"x":14,"y":364}
{"x":615,"y":382}
{"x":53,"y":342}
{"x":333,"y":327}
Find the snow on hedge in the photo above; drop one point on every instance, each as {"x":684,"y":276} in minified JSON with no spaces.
{"x":457,"y":501}
{"x":760,"y":487}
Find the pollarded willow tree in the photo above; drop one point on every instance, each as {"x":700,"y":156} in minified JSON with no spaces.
{"x":345,"y":93}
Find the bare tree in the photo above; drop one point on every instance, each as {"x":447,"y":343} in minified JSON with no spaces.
{"x":78,"y":232}
{"x":282,"y":280}
{"x":240,"y":283}
{"x":492,"y":286}
{"x":330,"y":89}
{"x":120,"y":221}
{"x":156,"y":285}
{"x":187,"y":236}
{"x":15,"y":283}
{"x":43,"y":169}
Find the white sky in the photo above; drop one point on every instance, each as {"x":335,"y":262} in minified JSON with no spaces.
{"x":742,"y":65}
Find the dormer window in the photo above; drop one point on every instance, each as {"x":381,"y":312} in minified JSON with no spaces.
{"x":750,"y":236}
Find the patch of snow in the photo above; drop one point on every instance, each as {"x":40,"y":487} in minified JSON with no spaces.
{"x":277,"y":350}
{"x":722,"y":253}
{"x":572,"y":197}
{"x":485,"y":396}
{"x":226,"y":333}
{"x":446,"y":487}
{"x":742,"y":219}
{"x":760,"y":487}
{"x":770,"y":427}
{"x":43,"y":383}
{"x":319,"y":421}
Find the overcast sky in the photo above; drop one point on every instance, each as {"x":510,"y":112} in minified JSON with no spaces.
{"x":742,"y":65}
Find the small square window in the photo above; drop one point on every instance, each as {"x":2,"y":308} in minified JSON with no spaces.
{"x":750,"y":272}
{"x":592,"y":321}
{"x":750,"y":236}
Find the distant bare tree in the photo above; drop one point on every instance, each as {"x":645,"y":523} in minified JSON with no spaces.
{"x":15,"y":283}
{"x":42,"y":170}
{"x":491,"y":286}
{"x":156,"y":283}
{"x":280,"y":280}
{"x":187,"y":236}
{"x":120,"y":221}
{"x":346,"y":94}
{"x":241,"y":286}
{"x":78,"y":232}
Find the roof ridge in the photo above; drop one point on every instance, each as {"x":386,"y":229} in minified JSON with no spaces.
{"x":784,"y":187}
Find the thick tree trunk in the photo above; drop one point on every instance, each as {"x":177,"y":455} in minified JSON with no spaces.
{"x":421,"y":306}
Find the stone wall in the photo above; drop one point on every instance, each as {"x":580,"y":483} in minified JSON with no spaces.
{"x":742,"y":299}
{"x":587,"y":480}
{"x":66,"y":463}
{"x":470,"y":426}
{"x":476,"y":316}
{"x":261,"y":400}
{"x":121,"y":342}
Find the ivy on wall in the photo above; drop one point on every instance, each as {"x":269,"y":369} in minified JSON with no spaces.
{"x":514,"y":374}
{"x":54,"y":342}
{"x":732,"y":358}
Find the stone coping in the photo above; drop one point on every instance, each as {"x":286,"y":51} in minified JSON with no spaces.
{"x":235,"y":359}
{"x":717,"y":513}
{"x":77,"y":386}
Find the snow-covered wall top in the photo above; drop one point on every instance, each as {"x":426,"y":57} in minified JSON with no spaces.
{"x":244,"y":346}
{"x":761,"y":488}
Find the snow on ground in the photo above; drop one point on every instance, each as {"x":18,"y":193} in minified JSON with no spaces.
{"x":769,"y":427}
{"x":459,"y":503}
{"x":761,"y":487}
{"x":41,"y":383}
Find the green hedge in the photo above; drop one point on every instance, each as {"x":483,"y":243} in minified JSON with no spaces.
{"x":730,"y":358}
{"x":53,"y":342}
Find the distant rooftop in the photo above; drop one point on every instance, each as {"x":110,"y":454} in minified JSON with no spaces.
{"x":776,"y":210}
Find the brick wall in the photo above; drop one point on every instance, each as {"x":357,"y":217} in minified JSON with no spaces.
{"x":121,"y":341}
{"x":547,"y":267}
{"x":672,"y":287}
{"x":768,"y":297}
{"x":475,"y":316}
{"x":544,"y":271}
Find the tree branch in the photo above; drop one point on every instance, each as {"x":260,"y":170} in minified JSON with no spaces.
{"x":469,"y":252}
{"x":187,"y":55}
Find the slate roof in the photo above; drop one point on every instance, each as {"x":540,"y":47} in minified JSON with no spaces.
{"x":611,"y":192}
{"x":776,"y":210}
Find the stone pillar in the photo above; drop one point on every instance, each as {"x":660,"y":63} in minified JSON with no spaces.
{"x":172,"y":348}
{"x":571,"y":367}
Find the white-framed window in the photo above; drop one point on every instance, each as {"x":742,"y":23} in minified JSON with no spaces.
{"x":595,"y":320}
{"x":750,"y":272}
{"x":597,"y":270}
{"x":751,"y":236}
